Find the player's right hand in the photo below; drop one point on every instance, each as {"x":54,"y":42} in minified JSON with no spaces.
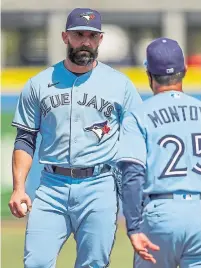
{"x":17,"y":198}
{"x":142,"y":244}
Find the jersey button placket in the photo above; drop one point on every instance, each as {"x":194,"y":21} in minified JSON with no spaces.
{"x":74,"y":119}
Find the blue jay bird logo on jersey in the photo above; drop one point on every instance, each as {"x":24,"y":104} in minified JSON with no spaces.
{"x":99,"y":129}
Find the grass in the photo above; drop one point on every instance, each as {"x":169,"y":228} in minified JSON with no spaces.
{"x":6,"y":128}
{"x":5,"y":197}
{"x":13,"y":244}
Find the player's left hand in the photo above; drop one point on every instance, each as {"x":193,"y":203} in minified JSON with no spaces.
{"x":141,"y":244}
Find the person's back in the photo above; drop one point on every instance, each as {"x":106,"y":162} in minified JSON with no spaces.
{"x":172,"y":121}
{"x":171,"y":125}
{"x":160,"y":156}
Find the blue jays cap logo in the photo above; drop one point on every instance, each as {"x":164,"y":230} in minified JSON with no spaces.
{"x":88,"y":16}
{"x":99,"y":129}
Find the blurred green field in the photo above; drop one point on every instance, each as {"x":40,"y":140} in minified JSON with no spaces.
{"x":13,"y":242}
{"x":6,"y":128}
{"x":5,"y":197}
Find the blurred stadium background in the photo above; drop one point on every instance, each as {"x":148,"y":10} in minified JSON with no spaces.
{"x":31,"y":40}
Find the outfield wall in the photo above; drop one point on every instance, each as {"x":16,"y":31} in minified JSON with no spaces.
{"x":13,"y":79}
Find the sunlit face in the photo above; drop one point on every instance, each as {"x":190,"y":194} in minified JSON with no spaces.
{"x":82,"y":46}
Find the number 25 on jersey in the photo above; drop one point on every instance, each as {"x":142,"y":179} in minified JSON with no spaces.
{"x":171,"y":169}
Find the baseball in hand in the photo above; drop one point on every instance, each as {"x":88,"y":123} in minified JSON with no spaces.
{"x":24,"y":207}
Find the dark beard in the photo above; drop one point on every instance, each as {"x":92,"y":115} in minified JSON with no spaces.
{"x":83,"y":55}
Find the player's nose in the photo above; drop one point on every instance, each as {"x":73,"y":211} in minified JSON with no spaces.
{"x":86,"y":41}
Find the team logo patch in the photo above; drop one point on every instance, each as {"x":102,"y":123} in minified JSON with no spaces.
{"x":175,"y":95}
{"x":87,"y":16}
{"x":99,"y":129}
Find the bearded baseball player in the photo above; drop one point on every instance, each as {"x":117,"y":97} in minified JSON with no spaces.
{"x":77,"y":105}
{"x":160,"y":155}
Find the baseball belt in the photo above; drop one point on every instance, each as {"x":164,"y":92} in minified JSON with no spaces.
{"x":79,"y":172}
{"x":186,"y":196}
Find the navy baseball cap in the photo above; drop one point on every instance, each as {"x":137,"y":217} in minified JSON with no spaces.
{"x":164,"y":57}
{"x":84,"y":19}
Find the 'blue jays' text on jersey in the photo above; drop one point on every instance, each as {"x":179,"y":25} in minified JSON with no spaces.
{"x":164,"y":134}
{"x":78,"y":117}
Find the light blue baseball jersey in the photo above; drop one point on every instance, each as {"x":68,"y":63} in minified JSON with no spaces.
{"x":79,"y":117}
{"x":164,"y":135}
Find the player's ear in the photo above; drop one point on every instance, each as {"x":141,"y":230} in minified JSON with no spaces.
{"x":185,"y":70}
{"x":65,"y":37}
{"x":151,"y":80}
{"x":101,"y":38}
{"x":149,"y":75}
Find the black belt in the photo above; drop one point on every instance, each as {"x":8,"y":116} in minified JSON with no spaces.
{"x":79,"y":172}
{"x":169,"y":196}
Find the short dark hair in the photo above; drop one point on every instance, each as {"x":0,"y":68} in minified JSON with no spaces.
{"x":170,"y":79}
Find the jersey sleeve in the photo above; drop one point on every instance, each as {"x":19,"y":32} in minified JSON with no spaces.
{"x":132,"y":98}
{"x":27,"y":114}
{"x":132,"y":142}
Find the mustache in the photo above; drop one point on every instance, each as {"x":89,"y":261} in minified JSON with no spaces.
{"x":83,"y":48}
